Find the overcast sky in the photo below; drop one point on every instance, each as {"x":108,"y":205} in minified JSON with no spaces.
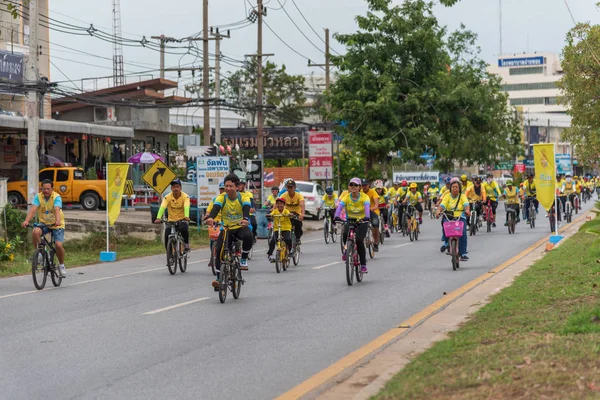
{"x":534,"y":25}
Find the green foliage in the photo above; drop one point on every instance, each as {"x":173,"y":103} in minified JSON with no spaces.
{"x":14,"y":218}
{"x":8,"y":249}
{"x":580,"y":90}
{"x":91,"y":174}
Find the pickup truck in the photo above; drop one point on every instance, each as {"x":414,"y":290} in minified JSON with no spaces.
{"x":69,"y":182}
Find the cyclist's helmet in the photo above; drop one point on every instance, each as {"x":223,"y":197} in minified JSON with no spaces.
{"x":477,"y":179}
{"x":413,"y":186}
{"x":575,"y":177}
{"x":275,"y":188}
{"x":378,"y":184}
{"x":222,"y":185}
{"x":448,"y":180}
{"x":364,"y":182}
{"x":530,"y":176}
{"x":404,"y":184}
{"x":454,"y":180}
{"x":176,"y":181}
{"x":568,"y":176}
{"x":433,"y":184}
{"x":242,"y":181}
{"x":509,"y":183}
{"x":463,"y":177}
{"x":329,"y":190}
{"x":356,"y":181}
{"x":396,"y":183}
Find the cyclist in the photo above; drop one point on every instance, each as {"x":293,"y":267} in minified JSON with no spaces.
{"x":294,"y":202}
{"x":578,"y":187}
{"x":329,"y":200}
{"x":357,"y":205}
{"x":476,"y":196}
{"x":400,"y":194}
{"x":529,"y":195}
{"x":48,"y":206}
{"x":492,"y":192}
{"x":177,"y":204}
{"x":235,"y":215}
{"x":444,"y":190}
{"x":270,"y":202}
{"x":456,"y":205}
{"x":247,"y":193}
{"x":366,"y":189}
{"x":214,"y":228}
{"x":569,"y":189}
{"x":414,"y":198}
{"x":465,"y":183}
{"x":286,"y":228}
{"x":383,"y":194}
{"x":434,"y":194}
{"x":511,"y":193}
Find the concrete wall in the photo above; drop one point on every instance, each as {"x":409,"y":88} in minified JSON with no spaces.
{"x":79,"y":228}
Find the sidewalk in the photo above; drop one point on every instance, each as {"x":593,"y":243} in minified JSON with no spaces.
{"x":495,"y":352}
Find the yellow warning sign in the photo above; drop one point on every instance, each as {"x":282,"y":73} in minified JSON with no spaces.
{"x":159,"y":176}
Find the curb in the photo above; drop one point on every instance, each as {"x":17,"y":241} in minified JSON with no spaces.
{"x":347,"y":366}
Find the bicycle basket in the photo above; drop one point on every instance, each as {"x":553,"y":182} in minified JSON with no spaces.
{"x":453,"y":228}
{"x":510,"y":207}
{"x":214,"y":231}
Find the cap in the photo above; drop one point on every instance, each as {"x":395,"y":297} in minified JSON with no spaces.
{"x":290,"y":182}
{"x":275,"y":188}
{"x":176,"y":181}
{"x":413,"y":186}
{"x":280,"y":199}
{"x":379,"y":184}
{"x":364,"y":181}
{"x":356,"y":181}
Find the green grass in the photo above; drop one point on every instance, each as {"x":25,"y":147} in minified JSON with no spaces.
{"x":538,"y":338}
{"x":80,"y":252}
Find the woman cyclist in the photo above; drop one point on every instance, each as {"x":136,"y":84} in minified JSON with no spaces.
{"x":383,"y":204}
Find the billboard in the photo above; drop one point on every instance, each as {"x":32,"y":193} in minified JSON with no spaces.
{"x":211,"y":172}
{"x":521,"y":62}
{"x":11,"y":67}
{"x":279,"y":142}
{"x":428,"y":176}
{"x":320,"y":155}
{"x":563,"y":164}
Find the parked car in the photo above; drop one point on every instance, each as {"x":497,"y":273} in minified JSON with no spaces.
{"x":187,"y":187}
{"x":313,"y":193}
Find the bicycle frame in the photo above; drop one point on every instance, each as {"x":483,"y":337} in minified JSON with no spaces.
{"x":48,"y":262}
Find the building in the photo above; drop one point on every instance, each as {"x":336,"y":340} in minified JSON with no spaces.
{"x":530,"y":80}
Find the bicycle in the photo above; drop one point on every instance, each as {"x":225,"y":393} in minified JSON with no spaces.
{"x":569,"y":209}
{"x":531,"y":211}
{"x":489,"y":215}
{"x":176,"y":254}
{"x":282,"y":259}
{"x":44,"y":262}
{"x":329,"y":229}
{"x":394,"y":221}
{"x":381,"y":228}
{"x":369,"y":245}
{"x":511,"y":218}
{"x":474,"y":219}
{"x":412,"y":223}
{"x":552,"y":218}
{"x":352,"y":259}
{"x":453,"y":230}
{"x":230,"y":277}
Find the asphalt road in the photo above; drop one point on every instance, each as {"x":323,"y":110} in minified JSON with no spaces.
{"x":130,"y":330}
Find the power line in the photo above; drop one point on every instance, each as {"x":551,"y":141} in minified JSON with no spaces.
{"x":297,"y":27}
{"x":285,"y":43}
{"x":311,"y":27}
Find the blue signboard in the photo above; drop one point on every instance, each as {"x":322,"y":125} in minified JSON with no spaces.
{"x":563,"y":164}
{"x":11,"y":67}
{"x":520,"y":62}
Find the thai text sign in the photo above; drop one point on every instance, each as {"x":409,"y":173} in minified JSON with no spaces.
{"x":211,"y":172}
{"x":278,"y":142}
{"x":320,"y":155}
{"x":427,"y":176}
{"x":11,"y":67}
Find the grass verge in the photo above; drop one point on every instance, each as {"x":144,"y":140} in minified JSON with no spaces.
{"x":537,"y":339}
{"x":86,"y":251}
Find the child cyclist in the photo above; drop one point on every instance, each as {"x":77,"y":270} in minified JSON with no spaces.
{"x":281,"y":217}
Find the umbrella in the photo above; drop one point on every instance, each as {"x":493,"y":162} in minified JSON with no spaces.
{"x":144,"y":158}
{"x":53,"y":161}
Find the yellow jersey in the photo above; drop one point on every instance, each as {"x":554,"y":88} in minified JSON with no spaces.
{"x":433,"y":192}
{"x":392,"y":193}
{"x":512,"y":195}
{"x":529,"y":189}
{"x":46,"y":209}
{"x":232,"y":210}
{"x":465,"y":186}
{"x":372,"y":194}
{"x":281,"y":219}
{"x":178,"y":208}
{"x":271,"y":200}
{"x":569,"y":187}
{"x":457,"y":204}
{"x":293,"y":203}
{"x":472,"y":195}
{"x":355,"y":209}
{"x":413,"y":198}
{"x":492,"y":190}
{"x":329,"y":201}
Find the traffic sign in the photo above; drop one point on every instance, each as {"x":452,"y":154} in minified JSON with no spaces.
{"x":159,"y":176}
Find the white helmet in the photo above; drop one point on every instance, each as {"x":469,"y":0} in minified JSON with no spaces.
{"x":378,"y":184}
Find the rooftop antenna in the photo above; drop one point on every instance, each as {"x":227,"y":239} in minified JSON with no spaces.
{"x":118,"y":74}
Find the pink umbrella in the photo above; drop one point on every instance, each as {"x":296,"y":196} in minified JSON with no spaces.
{"x":144,"y":158}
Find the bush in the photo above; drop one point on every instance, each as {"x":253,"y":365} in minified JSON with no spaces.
{"x":7,"y":249}
{"x":11,"y":222}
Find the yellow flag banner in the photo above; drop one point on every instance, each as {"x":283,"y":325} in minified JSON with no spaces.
{"x":116,"y":176}
{"x":545,"y":171}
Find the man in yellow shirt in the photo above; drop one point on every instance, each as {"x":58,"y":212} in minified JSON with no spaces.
{"x":270,"y":202}
{"x":281,"y":218}
{"x":414,"y":198}
{"x":329,"y":200}
{"x":214,"y":230}
{"x":529,"y":194}
{"x":374,"y":199}
{"x":434,"y":194}
{"x":465,"y":183}
{"x":492,"y":192}
{"x":476,"y":196}
{"x":48,"y":206}
{"x":294,"y":202}
{"x":511,"y":193}
{"x":177,"y":204}
{"x":247,"y":193}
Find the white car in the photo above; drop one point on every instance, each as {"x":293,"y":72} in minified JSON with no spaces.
{"x":313,"y":193}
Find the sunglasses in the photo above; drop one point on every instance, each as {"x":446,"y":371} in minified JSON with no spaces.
{"x":352,"y":185}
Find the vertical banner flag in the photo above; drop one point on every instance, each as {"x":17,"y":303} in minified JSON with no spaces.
{"x":116,"y":177}
{"x":544,"y":162}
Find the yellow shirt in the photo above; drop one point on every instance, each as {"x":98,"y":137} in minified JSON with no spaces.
{"x":209,"y":209}
{"x":178,"y":208}
{"x":400,"y":193}
{"x":492,"y":190}
{"x":372,"y":194}
{"x":413,"y":198}
{"x":45,"y":211}
{"x":248,"y":195}
{"x":383,"y":197}
{"x":465,"y":186}
{"x":281,"y":218}
{"x":529,"y":189}
{"x":512,"y":195}
{"x":329,"y":201}
{"x":569,"y":187}
{"x":433,"y":192}
{"x":456,"y":204}
{"x":271,"y":200}
{"x":392,"y":193}
{"x":578,"y":187}
{"x":472,"y":196}
{"x":355,"y":209}
{"x":232,"y":211}
{"x":293,"y":204}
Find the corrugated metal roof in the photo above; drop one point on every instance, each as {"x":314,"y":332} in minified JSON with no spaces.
{"x":52,"y":125}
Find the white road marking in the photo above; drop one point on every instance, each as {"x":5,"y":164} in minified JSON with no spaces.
{"x":401,"y":245}
{"x":20,"y":293}
{"x":199,"y":261}
{"x":176,"y":306}
{"x":327,"y":265}
{"x":114,"y":276}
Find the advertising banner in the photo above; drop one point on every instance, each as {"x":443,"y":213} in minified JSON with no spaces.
{"x":320,"y":155}
{"x":211,"y":172}
{"x":427,"y":176}
{"x":116,"y":174}
{"x":543,"y":158}
{"x":563,"y":164}
{"x":279,"y":142}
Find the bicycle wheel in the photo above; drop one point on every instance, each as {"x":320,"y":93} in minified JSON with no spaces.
{"x":171,"y":257}
{"x":369,"y":244}
{"x":213,"y":258}
{"x":285,"y":259}
{"x":473,"y":224}
{"x":455,"y":256}
{"x":296,"y":258}
{"x":381,"y":234}
{"x":349,"y":263}
{"x":38,"y":269}
{"x":489,"y":224}
{"x":278,"y":261}
{"x":53,"y":268}
{"x":509,"y":225}
{"x":250,"y":253}
{"x":576,"y":205}
{"x":359,"y":274}
{"x":183,"y":262}
{"x":326,"y":230}
{"x":223,"y":282}
{"x":417,"y":230}
{"x":236,"y":283}
{"x":334,"y":233}
{"x":411,"y":232}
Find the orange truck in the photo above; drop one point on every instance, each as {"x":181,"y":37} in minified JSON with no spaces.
{"x":69,"y":182}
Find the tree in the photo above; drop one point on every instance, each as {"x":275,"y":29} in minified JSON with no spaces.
{"x":283,"y":93}
{"x":581,"y":90}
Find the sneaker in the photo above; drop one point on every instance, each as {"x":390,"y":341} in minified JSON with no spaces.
{"x":443,"y":248}
{"x":271,"y":258}
{"x":215,"y":284}
{"x":493,"y":224}
{"x":244,"y":264}
{"x":363,"y":269}
{"x":298,"y":242}
{"x":344,"y":256}
{"x":375,"y":247}
{"x":186,"y":247}
{"x":506,"y":223}
{"x":387,"y":234}
{"x":420,"y":221}
{"x":63,"y":271}
{"x":464,"y":258}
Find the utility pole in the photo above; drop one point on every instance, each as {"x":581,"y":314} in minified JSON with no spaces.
{"x":162,"y":54}
{"x":205,"y":82}
{"x":33,"y":124}
{"x":218,"y":38}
